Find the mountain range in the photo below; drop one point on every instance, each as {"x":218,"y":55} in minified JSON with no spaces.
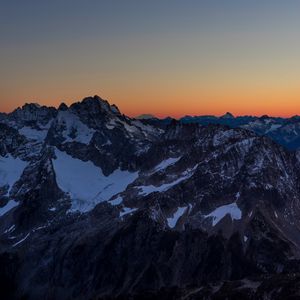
{"x":284,"y":131}
{"x":97,"y":205}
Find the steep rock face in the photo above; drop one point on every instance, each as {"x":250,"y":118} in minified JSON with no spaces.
{"x":33,"y":114}
{"x":10,"y":140}
{"x":96,"y":131}
{"x":100,"y":206}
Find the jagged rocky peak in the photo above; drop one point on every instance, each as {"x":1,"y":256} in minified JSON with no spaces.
{"x":33,"y":112}
{"x":294,"y":119}
{"x":10,"y":140}
{"x":32,"y":105}
{"x":228,"y":115}
{"x":94,"y":105}
{"x":115,"y":108}
{"x":264,"y":117}
{"x":63,"y":107}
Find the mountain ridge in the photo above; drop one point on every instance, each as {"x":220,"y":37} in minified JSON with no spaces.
{"x":284,"y":131}
{"x":94,"y":204}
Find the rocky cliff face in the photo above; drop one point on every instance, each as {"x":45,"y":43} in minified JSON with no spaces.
{"x":96,"y":205}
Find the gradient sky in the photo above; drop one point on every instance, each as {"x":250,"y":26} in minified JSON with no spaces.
{"x":166,"y":57}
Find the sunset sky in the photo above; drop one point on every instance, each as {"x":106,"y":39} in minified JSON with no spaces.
{"x":165,"y":57}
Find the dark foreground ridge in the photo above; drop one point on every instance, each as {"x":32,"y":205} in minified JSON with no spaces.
{"x":96,"y":205}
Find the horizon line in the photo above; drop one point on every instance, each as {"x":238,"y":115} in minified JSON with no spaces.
{"x":154,"y":114}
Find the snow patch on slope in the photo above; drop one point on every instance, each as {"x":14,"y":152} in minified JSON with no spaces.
{"x":219,"y":213}
{"x":85,"y":183}
{"x":273,"y":127}
{"x":116,"y":201}
{"x":148,"y":189}
{"x":73,"y":129}
{"x":126,"y":211}
{"x":33,"y":134}
{"x":10,"y":205}
{"x":166,"y":163}
{"x":11,"y":170}
{"x":173,"y":220}
{"x":22,"y":240}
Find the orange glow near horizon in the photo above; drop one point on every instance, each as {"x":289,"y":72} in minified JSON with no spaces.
{"x":166,"y":58}
{"x":163,"y":103}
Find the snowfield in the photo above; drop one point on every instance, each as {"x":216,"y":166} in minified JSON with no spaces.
{"x":85,"y":183}
{"x":33,"y":134}
{"x":74,"y":129}
{"x":11,"y":170}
